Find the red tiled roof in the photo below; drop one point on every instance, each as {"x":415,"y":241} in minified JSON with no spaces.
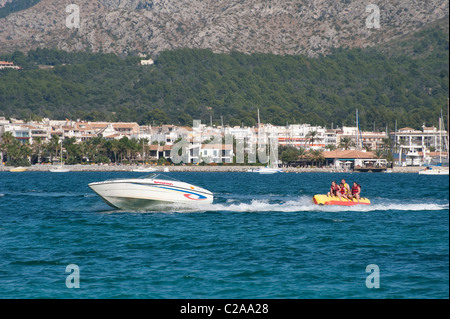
{"x":347,"y":154}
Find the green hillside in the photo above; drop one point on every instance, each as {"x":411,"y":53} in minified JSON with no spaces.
{"x":188,"y":84}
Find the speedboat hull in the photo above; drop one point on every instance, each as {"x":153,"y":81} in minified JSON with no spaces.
{"x":147,"y":193}
{"x":267,"y":170}
{"x":145,"y":170}
{"x":434,"y":172}
{"x":59,"y":170}
{"x":334,"y":200}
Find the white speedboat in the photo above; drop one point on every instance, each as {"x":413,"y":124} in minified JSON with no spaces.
{"x":268,"y":170}
{"x":152,"y":191}
{"x":60,"y":169}
{"x":145,"y":169}
{"x":434,"y":171}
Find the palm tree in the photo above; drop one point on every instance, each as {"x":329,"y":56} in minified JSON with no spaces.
{"x":311,"y":136}
{"x":18,"y":153}
{"x":2,"y":149}
{"x":379,"y":154}
{"x":25,"y":151}
{"x":301,"y":153}
{"x":346,"y":142}
{"x":390,"y":157}
{"x":133,"y":148}
{"x":95,"y":149}
{"x":288,"y":154}
{"x":367,"y":147}
{"x":387,"y":144}
{"x":144,"y":141}
{"x":128,"y":147}
{"x":330,"y":147}
{"x":7,"y":138}
{"x":53,"y":144}
{"x":115,"y":149}
{"x":316,"y":156}
{"x":37,"y":148}
{"x":73,"y":150}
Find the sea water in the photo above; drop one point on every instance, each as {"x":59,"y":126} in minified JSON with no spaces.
{"x":261,"y":238}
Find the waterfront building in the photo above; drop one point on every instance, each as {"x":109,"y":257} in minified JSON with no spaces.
{"x":20,"y":132}
{"x":216,"y":153}
{"x":303,"y":135}
{"x":8,"y":65}
{"x":429,"y":137}
{"x":354,"y":159}
{"x":361,"y":139}
{"x":414,"y":146}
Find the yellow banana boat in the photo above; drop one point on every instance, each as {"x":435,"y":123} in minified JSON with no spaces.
{"x":18,"y":169}
{"x":334,"y":200}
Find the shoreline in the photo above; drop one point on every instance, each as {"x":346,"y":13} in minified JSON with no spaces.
{"x":195,"y":168}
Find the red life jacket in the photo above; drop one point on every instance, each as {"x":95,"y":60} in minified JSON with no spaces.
{"x":343,"y":190}
{"x":334,"y":189}
{"x":355,"y":189}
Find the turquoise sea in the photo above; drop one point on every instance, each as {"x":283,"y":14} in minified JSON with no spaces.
{"x":261,"y":238}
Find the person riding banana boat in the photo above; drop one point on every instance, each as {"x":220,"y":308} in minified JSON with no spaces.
{"x":334,"y":189}
{"x":341,"y":190}
{"x":356,"y":192}
{"x":342,"y":194}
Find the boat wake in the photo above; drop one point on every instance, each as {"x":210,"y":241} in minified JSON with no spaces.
{"x":300,"y":204}
{"x":305,"y":205}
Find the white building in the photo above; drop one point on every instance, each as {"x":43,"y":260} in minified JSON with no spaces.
{"x":416,"y":144}
{"x":147,"y":62}
{"x":428,"y":137}
{"x":303,"y":135}
{"x":8,"y":65}
{"x":216,"y":153}
{"x":20,"y":132}
{"x":361,"y":139}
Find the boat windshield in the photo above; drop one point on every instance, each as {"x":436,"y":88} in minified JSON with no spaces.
{"x":158,"y":176}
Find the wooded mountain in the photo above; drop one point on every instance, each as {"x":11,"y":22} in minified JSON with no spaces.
{"x":406,"y":80}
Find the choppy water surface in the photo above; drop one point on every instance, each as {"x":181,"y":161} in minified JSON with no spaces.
{"x":261,"y":238}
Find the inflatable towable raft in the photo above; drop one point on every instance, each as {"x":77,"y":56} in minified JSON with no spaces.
{"x":334,"y":200}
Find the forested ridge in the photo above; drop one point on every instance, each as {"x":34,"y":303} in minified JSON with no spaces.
{"x":188,"y":84}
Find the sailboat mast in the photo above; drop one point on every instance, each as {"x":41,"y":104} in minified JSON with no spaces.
{"x":357,"y":142}
{"x":442,"y":128}
{"x":61,"y":162}
{"x":440,"y":139}
{"x":358,"y":132}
